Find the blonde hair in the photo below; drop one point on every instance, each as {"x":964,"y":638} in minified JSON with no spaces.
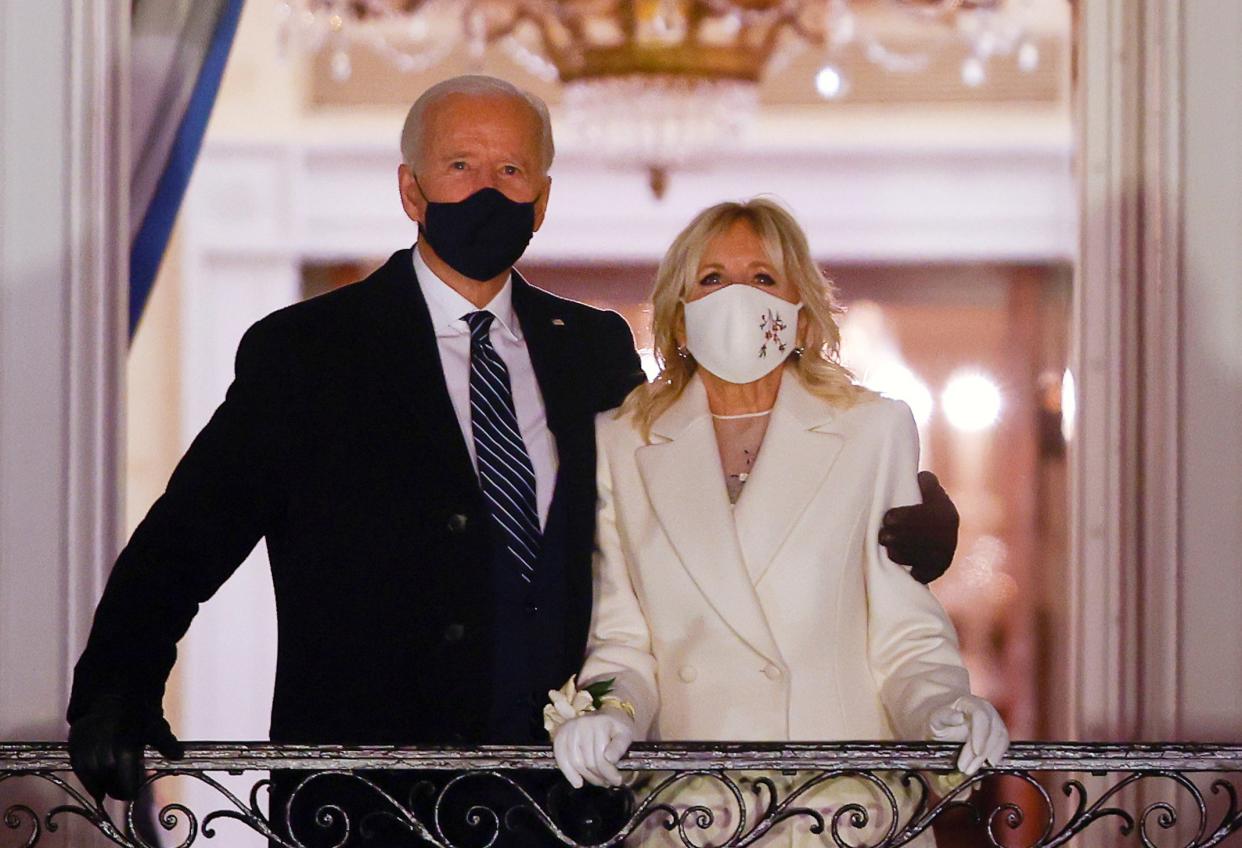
{"x":817,"y":366}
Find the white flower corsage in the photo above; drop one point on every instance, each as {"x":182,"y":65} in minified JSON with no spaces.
{"x":570,"y":702}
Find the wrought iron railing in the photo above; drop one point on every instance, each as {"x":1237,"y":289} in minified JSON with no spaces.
{"x":1043,"y":795}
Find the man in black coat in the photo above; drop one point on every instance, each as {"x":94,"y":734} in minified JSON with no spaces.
{"x":427,"y":591}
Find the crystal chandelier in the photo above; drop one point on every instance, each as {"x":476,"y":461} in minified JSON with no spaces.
{"x":654,"y":83}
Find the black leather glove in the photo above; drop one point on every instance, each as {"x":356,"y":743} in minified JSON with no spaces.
{"x":923,"y":536}
{"x":106,"y":746}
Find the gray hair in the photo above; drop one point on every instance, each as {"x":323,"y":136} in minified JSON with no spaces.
{"x":478,"y":85}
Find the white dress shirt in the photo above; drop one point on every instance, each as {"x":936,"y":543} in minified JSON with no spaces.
{"x":447,"y":307}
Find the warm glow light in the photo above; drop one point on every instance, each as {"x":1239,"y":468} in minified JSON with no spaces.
{"x":651,"y":367}
{"x":894,"y":379}
{"x":974,"y":74}
{"x":1028,"y":57}
{"x":829,"y":82}
{"x":870,"y":350}
{"x":1069,"y":405}
{"x":971,"y":402}
{"x":341,"y":66}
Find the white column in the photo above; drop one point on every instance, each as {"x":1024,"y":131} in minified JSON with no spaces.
{"x":63,"y":252}
{"x":1158,"y":457}
{"x":1210,"y":368}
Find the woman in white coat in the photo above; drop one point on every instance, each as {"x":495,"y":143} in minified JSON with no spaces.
{"x":740,"y":592}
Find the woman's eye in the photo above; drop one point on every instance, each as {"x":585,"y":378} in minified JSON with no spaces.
{"x":712,"y":279}
{"x":764,"y":280}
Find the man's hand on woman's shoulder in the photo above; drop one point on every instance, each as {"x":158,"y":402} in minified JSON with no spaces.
{"x":923,"y":536}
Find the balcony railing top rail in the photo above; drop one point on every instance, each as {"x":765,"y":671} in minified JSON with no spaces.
{"x":662,"y":756}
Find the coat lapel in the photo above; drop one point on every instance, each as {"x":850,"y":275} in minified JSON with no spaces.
{"x":545,"y":330}
{"x":682,"y":476}
{"x":799,"y":449}
{"x":550,"y":332}
{"x":404,"y":345}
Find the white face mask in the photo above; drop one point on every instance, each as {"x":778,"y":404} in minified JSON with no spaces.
{"x":741,"y":333}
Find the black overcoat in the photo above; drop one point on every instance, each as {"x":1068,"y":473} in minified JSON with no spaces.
{"x":337,"y":443}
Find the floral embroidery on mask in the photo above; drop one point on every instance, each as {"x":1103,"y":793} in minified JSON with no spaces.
{"x":772,"y":325}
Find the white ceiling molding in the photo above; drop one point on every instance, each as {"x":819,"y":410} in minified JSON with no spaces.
{"x":894,"y":196}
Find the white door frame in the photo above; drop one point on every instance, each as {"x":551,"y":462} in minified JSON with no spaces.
{"x":1126,"y":457}
{"x":64,"y":168}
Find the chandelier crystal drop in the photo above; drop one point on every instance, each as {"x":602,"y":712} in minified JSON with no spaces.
{"x":658,"y":122}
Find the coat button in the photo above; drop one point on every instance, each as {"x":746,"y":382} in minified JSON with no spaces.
{"x":454,"y":632}
{"x":772,"y":672}
{"x":688,"y":673}
{"x":457,"y":523}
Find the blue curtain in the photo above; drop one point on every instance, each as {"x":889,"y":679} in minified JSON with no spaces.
{"x":179,"y":49}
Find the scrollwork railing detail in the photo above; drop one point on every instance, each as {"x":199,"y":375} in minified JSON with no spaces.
{"x":758,"y":789}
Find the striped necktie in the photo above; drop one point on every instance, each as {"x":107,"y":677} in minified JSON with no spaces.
{"x":506,"y":474}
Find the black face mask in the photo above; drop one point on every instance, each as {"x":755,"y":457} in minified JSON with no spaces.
{"x":481,"y":236}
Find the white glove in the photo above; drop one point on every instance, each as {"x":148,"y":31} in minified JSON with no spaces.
{"x":974,"y":722}
{"x":590,"y":746}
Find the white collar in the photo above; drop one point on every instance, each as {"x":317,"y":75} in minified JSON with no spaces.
{"x":794,"y":400}
{"x":447,"y":306}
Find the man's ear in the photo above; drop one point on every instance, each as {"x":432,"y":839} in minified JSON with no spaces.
{"x":412,"y":199}
{"x":541,"y":205}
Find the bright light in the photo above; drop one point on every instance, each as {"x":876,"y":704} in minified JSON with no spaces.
{"x":971,"y":402}
{"x":894,"y":379}
{"x":341,"y":67}
{"x":869,"y":349}
{"x":829,"y":82}
{"x":973,"y":72}
{"x":1069,"y":405}
{"x":1028,"y":57}
{"x":651,"y":367}
{"x":985,"y":44}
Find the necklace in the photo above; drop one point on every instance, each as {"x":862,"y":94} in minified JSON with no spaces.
{"x":741,"y":415}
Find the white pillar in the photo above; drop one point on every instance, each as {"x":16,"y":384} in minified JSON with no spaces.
{"x":1158,"y":457}
{"x":63,"y":254}
{"x":1210,"y":368}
